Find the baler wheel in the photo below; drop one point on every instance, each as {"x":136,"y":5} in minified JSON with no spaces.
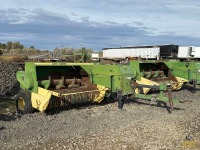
{"x":23,"y":102}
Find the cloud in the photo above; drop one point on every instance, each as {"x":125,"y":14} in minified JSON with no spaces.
{"x":100,"y":24}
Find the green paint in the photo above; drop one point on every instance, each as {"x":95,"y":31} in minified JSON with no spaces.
{"x":187,"y":70}
{"x":115,"y":77}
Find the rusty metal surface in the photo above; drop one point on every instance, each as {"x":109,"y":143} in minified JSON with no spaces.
{"x":73,"y":96}
{"x":75,"y":90}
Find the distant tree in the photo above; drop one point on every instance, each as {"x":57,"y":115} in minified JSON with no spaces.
{"x":32,"y":47}
{"x":2,"y":46}
{"x":21,"y":46}
{"x":56,"y":49}
{"x":86,"y":50}
{"x":9,"y":46}
{"x":16,"y":45}
{"x":1,"y":52}
{"x":89,"y":50}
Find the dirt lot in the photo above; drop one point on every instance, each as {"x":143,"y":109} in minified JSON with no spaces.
{"x":138,"y":126}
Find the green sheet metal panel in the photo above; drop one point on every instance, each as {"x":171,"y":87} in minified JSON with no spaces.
{"x":186,"y":70}
{"x":115,"y":77}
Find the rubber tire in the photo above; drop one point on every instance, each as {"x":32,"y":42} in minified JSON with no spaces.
{"x":26,"y":95}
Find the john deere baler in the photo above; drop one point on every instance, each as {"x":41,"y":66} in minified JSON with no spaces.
{"x":46,"y":85}
{"x":51,"y":85}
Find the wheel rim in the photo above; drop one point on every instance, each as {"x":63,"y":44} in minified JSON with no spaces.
{"x":21,"y":103}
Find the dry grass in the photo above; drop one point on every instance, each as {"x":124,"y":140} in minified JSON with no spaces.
{"x":11,"y":58}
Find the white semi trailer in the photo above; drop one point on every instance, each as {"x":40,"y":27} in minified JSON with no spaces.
{"x":137,"y":52}
{"x":153,"y":52}
{"x":185,"y":52}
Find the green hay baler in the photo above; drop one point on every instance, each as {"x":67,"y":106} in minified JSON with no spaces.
{"x":46,"y":85}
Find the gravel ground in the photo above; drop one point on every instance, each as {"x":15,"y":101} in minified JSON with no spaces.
{"x":138,"y":126}
{"x":9,"y":85}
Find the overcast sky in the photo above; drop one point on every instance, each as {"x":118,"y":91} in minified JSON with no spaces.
{"x":47,"y":24}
